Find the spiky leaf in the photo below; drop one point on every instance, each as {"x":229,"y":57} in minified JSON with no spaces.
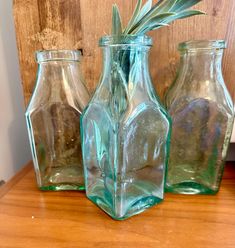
{"x":183,"y":14}
{"x":183,"y":5}
{"x":156,"y":21}
{"x":116,"y":21}
{"x":164,"y":6}
{"x":142,"y":12}
{"x":146,"y":8}
{"x":134,"y":16}
{"x":160,"y":7}
{"x":150,"y":17}
{"x":152,"y":27}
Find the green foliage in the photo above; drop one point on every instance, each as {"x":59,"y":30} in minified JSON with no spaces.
{"x":116,"y":21}
{"x":147,"y":17}
{"x":138,"y":14}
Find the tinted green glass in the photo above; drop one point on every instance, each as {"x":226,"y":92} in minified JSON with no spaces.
{"x":202,"y":115}
{"x":125,"y":132}
{"x":53,"y":120}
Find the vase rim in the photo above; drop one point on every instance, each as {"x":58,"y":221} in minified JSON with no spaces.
{"x":58,"y":55}
{"x":202,"y":45}
{"x":119,"y":40}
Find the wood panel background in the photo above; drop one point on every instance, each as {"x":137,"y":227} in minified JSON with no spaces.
{"x":78,"y":24}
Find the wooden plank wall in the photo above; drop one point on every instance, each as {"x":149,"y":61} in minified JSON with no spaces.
{"x":78,"y":24}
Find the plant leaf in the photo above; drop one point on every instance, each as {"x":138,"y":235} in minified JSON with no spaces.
{"x":183,"y":14}
{"x":164,"y":5}
{"x":160,"y":7}
{"x":154,"y":21}
{"x":153,"y":26}
{"x":134,"y":16}
{"x":182,"y":4}
{"x":116,"y":21}
{"x":148,"y":17}
{"x":146,"y":8}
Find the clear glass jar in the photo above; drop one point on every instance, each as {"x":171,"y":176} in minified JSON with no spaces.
{"x":202,"y":115}
{"x":125,"y":132}
{"x":53,"y":120}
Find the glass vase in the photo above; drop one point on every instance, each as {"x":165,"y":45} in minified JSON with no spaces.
{"x":202,"y":118}
{"x":125,"y":132}
{"x":53,"y":120}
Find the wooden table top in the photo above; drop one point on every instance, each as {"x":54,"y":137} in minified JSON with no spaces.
{"x":31,"y":218}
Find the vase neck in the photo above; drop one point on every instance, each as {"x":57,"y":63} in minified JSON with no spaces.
{"x":202,"y":60}
{"x":204,"y":65}
{"x":61,"y":82}
{"x":127,"y":64}
{"x":200,"y":75}
{"x":56,"y":67}
{"x":57,"y":73}
{"x":125,"y":81}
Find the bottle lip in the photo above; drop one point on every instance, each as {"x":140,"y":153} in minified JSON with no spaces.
{"x":202,"y":45}
{"x":58,"y":55}
{"x":119,"y":40}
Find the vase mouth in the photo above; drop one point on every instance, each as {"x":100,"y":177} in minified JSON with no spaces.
{"x":119,"y":40}
{"x":58,"y":55}
{"x":202,"y":45}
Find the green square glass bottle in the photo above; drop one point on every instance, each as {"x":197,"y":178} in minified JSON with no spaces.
{"x":125,"y":132}
{"x":53,"y":120}
{"x":202,"y":120}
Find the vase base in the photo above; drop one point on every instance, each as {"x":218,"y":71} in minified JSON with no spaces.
{"x":190,"y":188}
{"x":63,"y":187}
{"x":131,"y":209}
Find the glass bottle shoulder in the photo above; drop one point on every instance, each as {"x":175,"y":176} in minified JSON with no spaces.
{"x":127,"y":105}
{"x":184,"y":92}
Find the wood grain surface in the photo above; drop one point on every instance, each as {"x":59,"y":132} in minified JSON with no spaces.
{"x":78,"y":24}
{"x":32,"y":218}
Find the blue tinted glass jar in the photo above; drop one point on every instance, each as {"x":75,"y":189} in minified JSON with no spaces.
{"x":53,"y":120}
{"x":125,"y":132}
{"x":202,"y":115}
